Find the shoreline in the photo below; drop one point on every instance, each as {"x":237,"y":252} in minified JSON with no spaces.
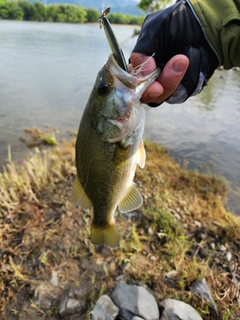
{"x":181,"y":234}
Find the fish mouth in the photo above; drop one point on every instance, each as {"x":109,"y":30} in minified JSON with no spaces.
{"x":131,"y":80}
{"x":123,"y":111}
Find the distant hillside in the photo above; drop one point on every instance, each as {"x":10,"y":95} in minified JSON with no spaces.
{"x":123,"y":6}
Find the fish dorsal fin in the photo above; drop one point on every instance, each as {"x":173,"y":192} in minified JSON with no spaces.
{"x":141,"y":155}
{"x":132,"y":200}
{"x":79,"y":196}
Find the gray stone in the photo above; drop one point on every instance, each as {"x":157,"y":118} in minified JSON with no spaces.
{"x":137,"y":318}
{"x":45,"y":295}
{"x":212,"y":245}
{"x":178,"y":310}
{"x":200,"y":287}
{"x":125,"y":314}
{"x":54,"y":278}
{"x":104,"y":309}
{"x":72,"y":302}
{"x":222,"y":248}
{"x":228,"y":256}
{"x":136,"y":300}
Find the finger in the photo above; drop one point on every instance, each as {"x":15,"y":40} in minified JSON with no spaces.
{"x":138,"y":58}
{"x":152,"y":93}
{"x":170,"y":78}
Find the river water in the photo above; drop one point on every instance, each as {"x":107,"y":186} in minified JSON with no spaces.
{"x":47,"y":72}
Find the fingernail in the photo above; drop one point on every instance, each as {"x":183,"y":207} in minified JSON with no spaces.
{"x":179,"y":66}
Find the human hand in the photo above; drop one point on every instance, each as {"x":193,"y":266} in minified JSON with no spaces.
{"x":168,"y":80}
{"x":168,"y":36}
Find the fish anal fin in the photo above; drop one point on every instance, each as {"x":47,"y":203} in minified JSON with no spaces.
{"x":132,"y":200}
{"x":141,"y":155}
{"x":79,"y":196}
{"x":108,"y":235}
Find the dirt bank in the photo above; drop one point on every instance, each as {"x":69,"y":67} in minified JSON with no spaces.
{"x":181,"y":234}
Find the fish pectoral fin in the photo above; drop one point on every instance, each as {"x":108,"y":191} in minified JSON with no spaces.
{"x":141,"y":155}
{"x":79,"y":196}
{"x":108,"y":236}
{"x":132,"y":200}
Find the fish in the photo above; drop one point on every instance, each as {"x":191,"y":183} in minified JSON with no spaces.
{"x":108,"y":148}
{"x":109,"y":143}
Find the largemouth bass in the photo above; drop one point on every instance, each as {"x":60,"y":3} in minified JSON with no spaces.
{"x":108,"y":148}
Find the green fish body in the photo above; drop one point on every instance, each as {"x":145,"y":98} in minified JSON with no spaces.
{"x":108,"y":148}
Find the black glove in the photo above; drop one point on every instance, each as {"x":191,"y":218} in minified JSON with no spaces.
{"x":176,"y":30}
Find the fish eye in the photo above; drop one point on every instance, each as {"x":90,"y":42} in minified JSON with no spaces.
{"x":103,"y":88}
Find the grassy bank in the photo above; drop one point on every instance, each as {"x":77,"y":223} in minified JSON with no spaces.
{"x":181,"y":234}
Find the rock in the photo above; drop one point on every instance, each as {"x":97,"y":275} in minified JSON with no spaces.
{"x":200,"y":287}
{"x":45,"y":294}
{"x":203,"y":236}
{"x":222,"y":248}
{"x":125,"y":314}
{"x":171,"y":274}
{"x":197,"y":224}
{"x":137,"y":300}
{"x":54,"y":278}
{"x":72,"y":302}
{"x":228,"y":256}
{"x":137,"y":318}
{"x":104,"y":309}
{"x":153,"y":258}
{"x":119,"y":278}
{"x":212,"y":245}
{"x":176,"y":310}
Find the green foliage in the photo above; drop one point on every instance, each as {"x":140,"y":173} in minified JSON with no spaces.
{"x":74,"y":14}
{"x":120,"y":18}
{"x":92,"y":15}
{"x":24,"y":10}
{"x":27,"y":9}
{"x":52,"y":12}
{"x":4,"y":9}
{"x":153,"y":5}
{"x":39,"y":12}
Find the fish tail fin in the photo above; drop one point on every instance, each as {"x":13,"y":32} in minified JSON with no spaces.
{"x":108,"y":235}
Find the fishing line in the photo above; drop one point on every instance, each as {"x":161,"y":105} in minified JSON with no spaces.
{"x":93,"y":37}
{"x":140,"y":68}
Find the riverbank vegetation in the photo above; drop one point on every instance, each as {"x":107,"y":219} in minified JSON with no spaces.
{"x":24,"y":10}
{"x":181,"y":234}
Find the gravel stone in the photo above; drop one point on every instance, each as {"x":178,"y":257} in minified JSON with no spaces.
{"x":104,"y":309}
{"x":175,"y":310}
{"x":136,"y":300}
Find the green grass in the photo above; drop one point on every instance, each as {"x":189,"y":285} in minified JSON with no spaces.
{"x":182,"y":214}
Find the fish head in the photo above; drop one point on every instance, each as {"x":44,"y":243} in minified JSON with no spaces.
{"x":117,"y":109}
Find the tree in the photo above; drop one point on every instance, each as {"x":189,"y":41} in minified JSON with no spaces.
{"x":153,"y":5}
{"x":15,"y":12}
{"x":27,"y":8}
{"x":52,"y":11}
{"x":39,"y":12}
{"x":4,"y":9}
{"x":92,"y":15}
{"x":74,"y":14}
